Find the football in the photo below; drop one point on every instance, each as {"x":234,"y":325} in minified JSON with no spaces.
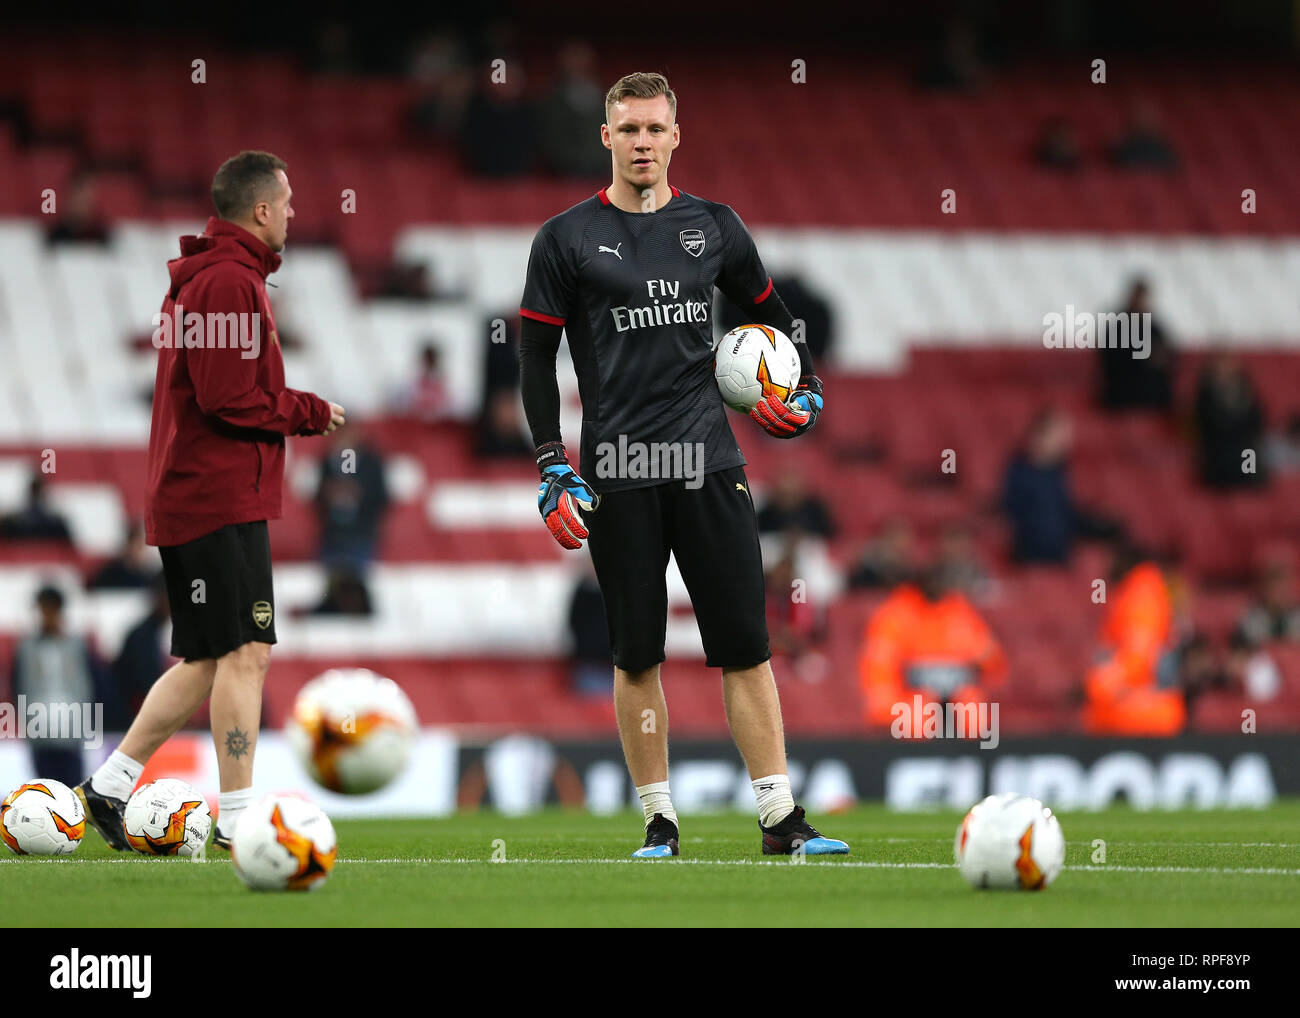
{"x":1009,"y":842}
{"x":283,"y":843}
{"x":352,"y":730}
{"x":753,"y":361}
{"x":42,"y":817}
{"x":167,"y":817}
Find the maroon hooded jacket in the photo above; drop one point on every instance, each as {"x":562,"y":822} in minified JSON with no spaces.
{"x":216,"y":447}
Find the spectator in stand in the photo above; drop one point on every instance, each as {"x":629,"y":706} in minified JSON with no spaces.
{"x":1229,"y":426}
{"x":796,"y":620}
{"x":425,"y":398}
{"x":333,"y":51}
{"x":1139,"y":383}
{"x":791,"y":507}
{"x":56,"y":669}
{"x":887,"y":560}
{"x":351,"y":500}
{"x":955,"y":65}
{"x":77,"y":218}
{"x":1282,"y":449}
{"x":591,"y":658}
{"x":1045,"y":519}
{"x":927,"y":639}
{"x":146,"y":651}
{"x":345,"y":594}
{"x":1274,"y":612}
{"x":1143,"y":145}
{"x":35,"y":521}
{"x":1058,"y":146}
{"x":1196,"y":669}
{"x":135,"y":567}
{"x":1124,"y":694}
{"x":440,"y":71}
{"x":569,"y":116}
{"x":501,"y":434}
{"x":960,"y":563}
{"x":499,"y":136}
{"x":405,"y":280}
{"x":1273,"y":617}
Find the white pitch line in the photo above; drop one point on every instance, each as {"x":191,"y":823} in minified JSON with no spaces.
{"x":856,"y":864}
{"x":1201,"y":844}
{"x":853,"y":864}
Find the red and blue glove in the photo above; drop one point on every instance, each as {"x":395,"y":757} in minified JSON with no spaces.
{"x":561,"y":487}
{"x":792,"y":418}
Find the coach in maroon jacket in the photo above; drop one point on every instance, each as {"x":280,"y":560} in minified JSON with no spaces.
{"x":221,"y":412}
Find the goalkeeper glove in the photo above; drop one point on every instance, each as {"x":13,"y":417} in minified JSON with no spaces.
{"x":561,"y":487}
{"x":789,"y":420}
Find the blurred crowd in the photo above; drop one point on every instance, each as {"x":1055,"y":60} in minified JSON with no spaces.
{"x":928,"y":634}
{"x":965,"y":58}
{"x":507,"y":126}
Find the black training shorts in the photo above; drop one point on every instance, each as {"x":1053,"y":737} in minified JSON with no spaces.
{"x":713,"y":533}
{"x":219,"y":586}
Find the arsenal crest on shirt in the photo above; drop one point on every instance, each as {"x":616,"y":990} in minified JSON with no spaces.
{"x":693,"y":241}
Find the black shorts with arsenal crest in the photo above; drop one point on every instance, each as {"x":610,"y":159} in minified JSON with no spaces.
{"x":219,"y":586}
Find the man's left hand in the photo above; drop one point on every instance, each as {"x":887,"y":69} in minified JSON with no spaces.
{"x":792,"y":418}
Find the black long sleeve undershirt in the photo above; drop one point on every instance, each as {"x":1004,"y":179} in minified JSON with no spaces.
{"x":539,"y":343}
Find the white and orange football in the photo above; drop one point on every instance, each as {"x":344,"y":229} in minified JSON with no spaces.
{"x":752,"y":362}
{"x":167,"y":817}
{"x":283,"y":843}
{"x":352,"y":730}
{"x":42,"y":817}
{"x":1009,"y":842}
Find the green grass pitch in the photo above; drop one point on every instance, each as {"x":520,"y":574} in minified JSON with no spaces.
{"x":1219,"y":868}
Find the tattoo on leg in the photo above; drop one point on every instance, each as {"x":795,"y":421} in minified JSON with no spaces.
{"x":236,"y":743}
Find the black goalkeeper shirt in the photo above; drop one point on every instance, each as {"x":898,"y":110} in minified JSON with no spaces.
{"x":634,"y":293}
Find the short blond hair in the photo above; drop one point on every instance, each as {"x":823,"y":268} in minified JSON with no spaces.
{"x":639,"y":85}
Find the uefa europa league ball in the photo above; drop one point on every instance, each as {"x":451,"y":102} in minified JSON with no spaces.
{"x":42,"y":817}
{"x":283,"y":843}
{"x":1009,"y":842}
{"x":352,"y":730}
{"x":752,"y":362}
{"x":167,"y":817}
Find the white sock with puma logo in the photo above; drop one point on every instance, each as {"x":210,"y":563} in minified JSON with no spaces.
{"x":775,"y":801}
{"x":117,"y":776}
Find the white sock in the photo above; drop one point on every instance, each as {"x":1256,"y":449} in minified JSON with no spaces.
{"x":230,"y":806}
{"x":655,"y":799}
{"x":117,"y":776}
{"x":775,"y":801}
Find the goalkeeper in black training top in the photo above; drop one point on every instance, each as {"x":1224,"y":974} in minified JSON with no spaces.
{"x":629,"y":274}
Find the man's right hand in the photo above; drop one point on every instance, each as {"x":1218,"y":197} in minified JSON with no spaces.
{"x":561,"y":487}
{"x":336,"y":419}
